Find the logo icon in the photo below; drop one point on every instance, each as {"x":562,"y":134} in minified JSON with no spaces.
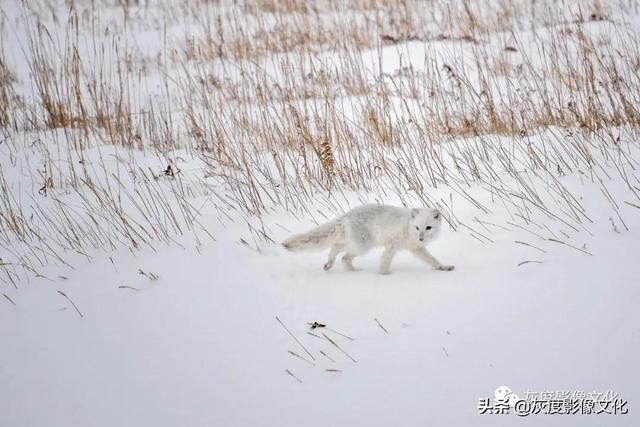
{"x":504,"y":394}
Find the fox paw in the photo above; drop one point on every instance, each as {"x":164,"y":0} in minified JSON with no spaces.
{"x":384,"y":272}
{"x":445,"y":267}
{"x":327,"y":266}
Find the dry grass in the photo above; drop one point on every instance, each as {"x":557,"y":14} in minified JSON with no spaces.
{"x":289,"y":104}
{"x":8,"y":98}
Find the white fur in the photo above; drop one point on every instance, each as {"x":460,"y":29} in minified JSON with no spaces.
{"x":370,"y":226}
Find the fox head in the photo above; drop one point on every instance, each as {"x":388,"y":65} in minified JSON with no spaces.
{"x":424,"y":225}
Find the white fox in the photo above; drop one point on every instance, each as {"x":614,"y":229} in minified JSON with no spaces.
{"x":369,"y":226}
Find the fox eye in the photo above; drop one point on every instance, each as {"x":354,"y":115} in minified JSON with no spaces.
{"x":429,"y":228}
{"x":417,"y":228}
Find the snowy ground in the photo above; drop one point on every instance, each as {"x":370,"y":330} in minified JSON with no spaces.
{"x":196,"y":331}
{"x":201,"y":345}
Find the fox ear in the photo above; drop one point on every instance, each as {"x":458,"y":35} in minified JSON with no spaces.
{"x":414,"y":213}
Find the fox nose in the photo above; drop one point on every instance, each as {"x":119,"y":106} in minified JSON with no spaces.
{"x":421,"y":239}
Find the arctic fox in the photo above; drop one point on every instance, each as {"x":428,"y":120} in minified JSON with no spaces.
{"x":369,"y":226}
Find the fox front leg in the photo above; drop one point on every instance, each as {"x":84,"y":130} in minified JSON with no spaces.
{"x":385,"y":260}
{"x":426,"y":256}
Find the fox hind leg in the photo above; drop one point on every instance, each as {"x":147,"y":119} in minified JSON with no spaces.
{"x":333,"y":253}
{"x":347,"y":260}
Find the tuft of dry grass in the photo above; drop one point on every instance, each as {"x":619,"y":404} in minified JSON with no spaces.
{"x":7,"y":94}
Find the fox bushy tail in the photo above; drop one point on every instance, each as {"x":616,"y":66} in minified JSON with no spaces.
{"x":318,"y":238}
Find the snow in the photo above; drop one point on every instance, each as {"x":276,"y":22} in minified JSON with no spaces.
{"x":201,"y":346}
{"x":185,"y":332}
